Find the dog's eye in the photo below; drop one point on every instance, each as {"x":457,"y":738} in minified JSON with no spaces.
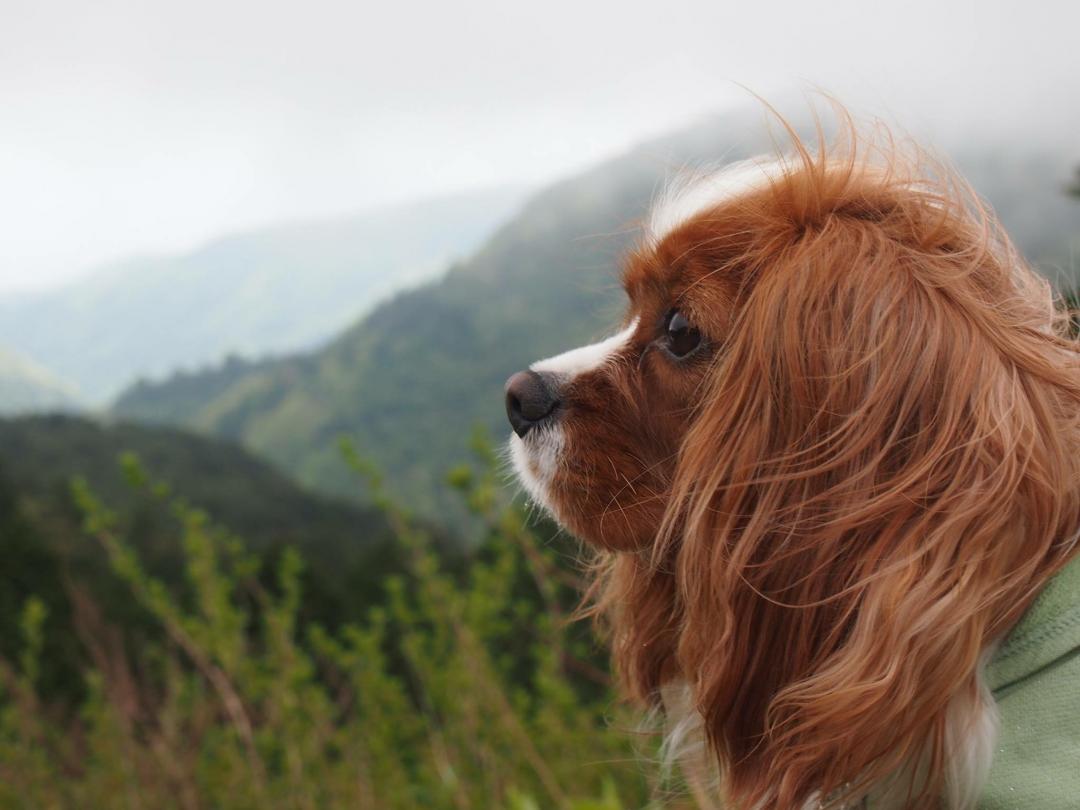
{"x":682,"y":337}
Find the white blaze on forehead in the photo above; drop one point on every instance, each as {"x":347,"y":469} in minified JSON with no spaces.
{"x":695,"y":193}
{"x":586,"y":358}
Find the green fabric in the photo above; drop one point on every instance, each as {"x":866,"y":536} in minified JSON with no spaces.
{"x":1035,"y":678}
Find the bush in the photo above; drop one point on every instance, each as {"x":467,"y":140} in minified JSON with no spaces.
{"x":468,"y":691}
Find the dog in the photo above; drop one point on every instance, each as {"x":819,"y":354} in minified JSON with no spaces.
{"x":827,"y":464}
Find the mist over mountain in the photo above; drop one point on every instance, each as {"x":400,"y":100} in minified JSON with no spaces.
{"x":410,"y":379}
{"x":26,"y":387}
{"x":279,"y":289}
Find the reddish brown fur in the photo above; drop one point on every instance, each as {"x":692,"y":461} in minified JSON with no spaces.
{"x":822,"y":521}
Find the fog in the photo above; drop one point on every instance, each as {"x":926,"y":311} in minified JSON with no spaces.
{"x":131,"y":127}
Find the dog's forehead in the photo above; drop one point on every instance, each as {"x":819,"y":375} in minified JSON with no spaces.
{"x":679,"y":252}
{"x":684,"y":269}
{"x":692,"y":193}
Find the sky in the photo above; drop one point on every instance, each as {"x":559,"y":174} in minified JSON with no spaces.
{"x":136,"y":126}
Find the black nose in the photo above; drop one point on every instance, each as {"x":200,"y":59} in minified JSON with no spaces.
{"x":530,"y":399}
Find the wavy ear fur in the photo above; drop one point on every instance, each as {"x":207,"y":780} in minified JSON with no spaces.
{"x":881,"y":475}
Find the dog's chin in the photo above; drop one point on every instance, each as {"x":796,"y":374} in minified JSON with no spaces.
{"x":623,"y":527}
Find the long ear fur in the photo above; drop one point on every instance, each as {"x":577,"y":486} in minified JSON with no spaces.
{"x":881,"y":476}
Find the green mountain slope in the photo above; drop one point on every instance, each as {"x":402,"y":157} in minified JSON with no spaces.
{"x":410,"y":380}
{"x":347,"y":546}
{"x":284,"y":288}
{"x":26,"y":387}
{"x":348,"y":551}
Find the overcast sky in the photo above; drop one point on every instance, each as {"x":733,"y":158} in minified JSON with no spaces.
{"x":133,"y":126}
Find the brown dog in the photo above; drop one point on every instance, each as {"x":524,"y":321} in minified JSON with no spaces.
{"x":828,"y":461}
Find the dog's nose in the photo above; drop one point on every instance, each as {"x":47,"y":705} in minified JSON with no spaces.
{"x":531,"y":397}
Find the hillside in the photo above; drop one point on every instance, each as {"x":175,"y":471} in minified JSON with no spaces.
{"x":411,"y":379}
{"x":26,"y":387}
{"x":280,"y":289}
{"x":348,"y":547}
{"x":348,"y":551}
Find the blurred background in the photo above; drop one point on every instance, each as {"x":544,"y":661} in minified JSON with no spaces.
{"x":263,"y":270}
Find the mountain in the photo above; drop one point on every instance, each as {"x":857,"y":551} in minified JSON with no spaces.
{"x":348,"y":547}
{"x":348,"y":550}
{"x":26,"y":387}
{"x":41,"y":455}
{"x":410,"y":380}
{"x":284,"y":288}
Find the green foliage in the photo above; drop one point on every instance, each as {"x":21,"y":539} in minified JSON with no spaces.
{"x":461,"y":690}
{"x":349,"y":549}
{"x":34,"y":579}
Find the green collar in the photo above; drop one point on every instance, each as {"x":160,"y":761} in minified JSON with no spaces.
{"x":1048,"y":630}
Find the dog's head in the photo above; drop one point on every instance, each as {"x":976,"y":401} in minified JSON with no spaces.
{"x":828,"y":458}
{"x":599,"y":429}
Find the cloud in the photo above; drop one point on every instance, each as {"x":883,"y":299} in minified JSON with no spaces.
{"x":135,"y":126}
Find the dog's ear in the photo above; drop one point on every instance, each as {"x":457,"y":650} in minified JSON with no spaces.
{"x":880,"y":477}
{"x":638,"y":601}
